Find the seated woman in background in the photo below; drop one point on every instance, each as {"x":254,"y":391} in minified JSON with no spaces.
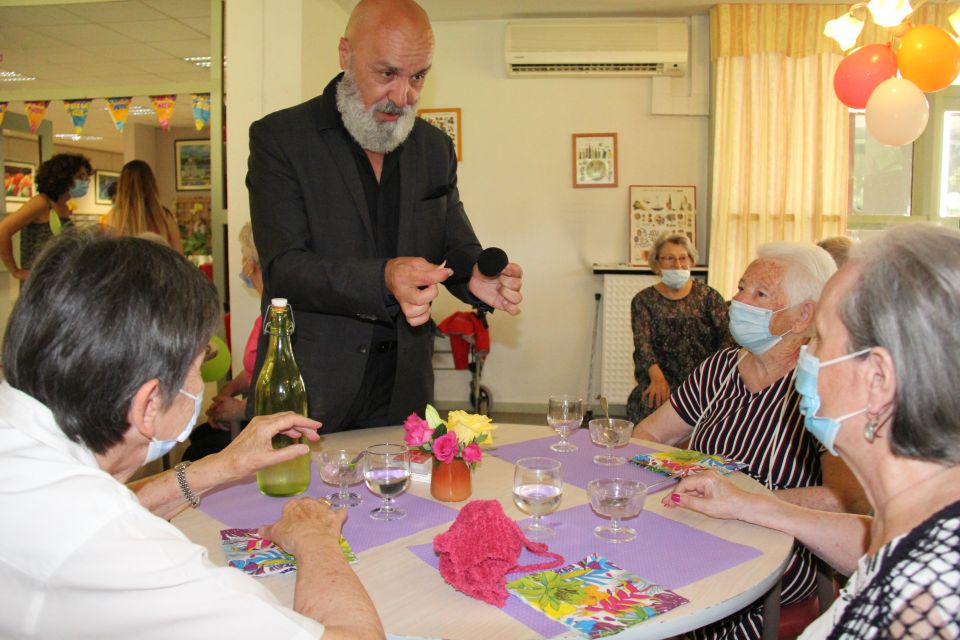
{"x":676,"y":324}
{"x":878,"y":387}
{"x":741,"y":404}
{"x":137,"y":208}
{"x":229,"y":407}
{"x":64,"y":176}
{"x":90,"y":396}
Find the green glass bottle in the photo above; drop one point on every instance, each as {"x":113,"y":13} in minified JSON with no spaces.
{"x":280,"y":388}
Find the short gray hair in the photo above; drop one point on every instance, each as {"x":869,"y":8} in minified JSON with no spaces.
{"x":808,"y":267}
{"x":907,"y":300}
{"x":247,"y":248}
{"x":671,"y":238}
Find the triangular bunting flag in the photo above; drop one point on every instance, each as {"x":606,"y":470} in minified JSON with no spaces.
{"x":78,"y":110}
{"x":35,"y":112}
{"x":119,"y":108}
{"x":164,"y":105}
{"x":201,"y":110}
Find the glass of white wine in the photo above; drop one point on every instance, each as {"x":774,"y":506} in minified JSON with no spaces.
{"x":537,"y":489}
{"x":386,"y":469}
{"x":616,"y":498}
{"x":610,"y":433}
{"x":564,"y":414}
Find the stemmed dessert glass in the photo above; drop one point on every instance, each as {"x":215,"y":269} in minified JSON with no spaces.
{"x":564,"y":414}
{"x":616,"y":498}
{"x":537,"y":489}
{"x":386,"y":469}
{"x":341,"y":467}
{"x":610,"y":433}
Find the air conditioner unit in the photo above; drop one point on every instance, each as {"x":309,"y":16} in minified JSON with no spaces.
{"x":591,"y":48}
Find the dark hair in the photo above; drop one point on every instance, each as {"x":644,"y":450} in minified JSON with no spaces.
{"x":99,"y":316}
{"x":907,"y":300}
{"x":55,"y":176}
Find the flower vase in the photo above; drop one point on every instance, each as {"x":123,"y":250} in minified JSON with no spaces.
{"x":450,"y":481}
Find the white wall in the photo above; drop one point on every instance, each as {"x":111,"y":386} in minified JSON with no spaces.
{"x":515,"y":179}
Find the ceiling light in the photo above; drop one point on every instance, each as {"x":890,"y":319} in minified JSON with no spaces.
{"x":845,"y":30}
{"x":889,"y":13}
{"x":76,"y":138}
{"x":14,"y":76}
{"x":200,"y":61}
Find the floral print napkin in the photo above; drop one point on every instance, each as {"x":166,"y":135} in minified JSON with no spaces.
{"x":247,"y":551}
{"x":685,"y":462}
{"x":594,"y":596}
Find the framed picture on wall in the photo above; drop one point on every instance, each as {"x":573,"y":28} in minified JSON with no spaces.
{"x":104,"y":180}
{"x":192,"y":165}
{"x":656,"y":209}
{"x":594,"y":160}
{"x":18,"y":180}
{"x":448,"y":121}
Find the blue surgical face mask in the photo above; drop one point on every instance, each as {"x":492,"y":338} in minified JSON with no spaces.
{"x":750,"y":327}
{"x":674,"y":278}
{"x":246,"y":280}
{"x":79,"y":188}
{"x":159,"y":448}
{"x":808,"y":370}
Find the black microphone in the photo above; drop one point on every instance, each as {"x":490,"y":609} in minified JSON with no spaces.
{"x":461,"y":261}
{"x":492,"y":261}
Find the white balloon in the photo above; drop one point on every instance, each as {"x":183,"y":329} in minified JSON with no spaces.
{"x":897,"y":112}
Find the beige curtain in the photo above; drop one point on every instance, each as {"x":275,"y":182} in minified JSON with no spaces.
{"x":781,"y":139}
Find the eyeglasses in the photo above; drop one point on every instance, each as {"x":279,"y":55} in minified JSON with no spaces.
{"x":675,"y":260}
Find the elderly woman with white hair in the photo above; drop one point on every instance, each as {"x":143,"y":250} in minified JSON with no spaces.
{"x":878,"y":389}
{"x":741,"y":404}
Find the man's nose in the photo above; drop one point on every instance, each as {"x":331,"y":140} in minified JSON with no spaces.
{"x":402,"y":93}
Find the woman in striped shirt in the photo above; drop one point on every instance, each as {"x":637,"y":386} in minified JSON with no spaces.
{"x":741,"y":404}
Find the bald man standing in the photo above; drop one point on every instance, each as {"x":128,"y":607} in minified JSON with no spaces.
{"x":355,"y":209}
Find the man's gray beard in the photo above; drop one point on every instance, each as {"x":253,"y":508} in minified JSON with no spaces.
{"x":379,"y":137}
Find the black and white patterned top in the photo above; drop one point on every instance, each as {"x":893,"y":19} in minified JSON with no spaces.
{"x":762,"y":430}
{"x":909,"y":589}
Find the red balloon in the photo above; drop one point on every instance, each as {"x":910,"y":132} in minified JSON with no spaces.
{"x":860,"y":73}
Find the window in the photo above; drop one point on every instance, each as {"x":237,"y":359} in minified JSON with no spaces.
{"x":880,"y":176}
{"x":950,"y":166}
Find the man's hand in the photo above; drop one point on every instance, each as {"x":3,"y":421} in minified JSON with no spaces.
{"x":500,"y":292}
{"x":413,"y":282}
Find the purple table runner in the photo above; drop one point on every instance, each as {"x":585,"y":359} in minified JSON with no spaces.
{"x":665,"y":552}
{"x":578,"y":466}
{"x":242,"y":506}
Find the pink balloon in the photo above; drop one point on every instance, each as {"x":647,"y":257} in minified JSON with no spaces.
{"x":897,"y":112}
{"x":860,"y":73}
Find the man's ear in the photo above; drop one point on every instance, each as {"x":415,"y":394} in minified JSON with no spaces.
{"x":144,"y":408}
{"x":344,"y":50}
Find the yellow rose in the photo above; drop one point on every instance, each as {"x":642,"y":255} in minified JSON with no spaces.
{"x":468,"y":426}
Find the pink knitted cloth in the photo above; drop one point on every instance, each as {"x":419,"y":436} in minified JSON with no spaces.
{"x":481,"y":547}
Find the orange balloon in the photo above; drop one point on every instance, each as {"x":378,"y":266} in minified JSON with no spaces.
{"x":928,"y":57}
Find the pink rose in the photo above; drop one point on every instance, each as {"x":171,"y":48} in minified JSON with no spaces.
{"x":472,"y":452}
{"x":418,"y":431}
{"x":445,"y":447}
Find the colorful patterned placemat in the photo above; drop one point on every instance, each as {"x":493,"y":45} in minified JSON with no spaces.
{"x":256,"y":556}
{"x":662,"y":553}
{"x":578,"y":466}
{"x":243,"y":506}
{"x":683,"y":462}
{"x":594,"y":596}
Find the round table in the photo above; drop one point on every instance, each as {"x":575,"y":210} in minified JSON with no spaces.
{"x":413,"y":599}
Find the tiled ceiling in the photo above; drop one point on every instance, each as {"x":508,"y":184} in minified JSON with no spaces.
{"x":129,"y":42}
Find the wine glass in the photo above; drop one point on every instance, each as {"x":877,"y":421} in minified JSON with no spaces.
{"x":386,"y":468}
{"x":537,"y":489}
{"x":616,"y":498}
{"x":564,"y":414}
{"x":610,"y":433}
{"x":341,"y":467}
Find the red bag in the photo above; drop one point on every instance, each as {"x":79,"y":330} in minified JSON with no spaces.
{"x":481,"y":547}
